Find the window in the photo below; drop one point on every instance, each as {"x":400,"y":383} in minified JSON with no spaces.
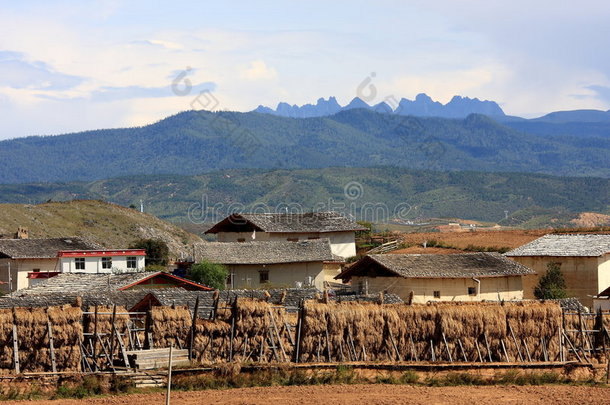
{"x":292,"y":239}
{"x":437,"y":294}
{"x":241,"y":239}
{"x":106,"y":262}
{"x":263,"y":276}
{"x":472,"y":291}
{"x":313,"y":237}
{"x":79,"y":263}
{"x":132,"y":262}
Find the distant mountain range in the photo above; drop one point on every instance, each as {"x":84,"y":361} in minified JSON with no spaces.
{"x":196,"y":142}
{"x":424,"y":106}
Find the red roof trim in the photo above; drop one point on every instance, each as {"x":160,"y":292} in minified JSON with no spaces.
{"x":101,"y":253}
{"x":180,"y":279}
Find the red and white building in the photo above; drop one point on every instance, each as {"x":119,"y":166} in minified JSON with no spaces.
{"x":101,"y":261}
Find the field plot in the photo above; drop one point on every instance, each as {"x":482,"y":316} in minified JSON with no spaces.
{"x":371,"y":394}
{"x":462,"y":240}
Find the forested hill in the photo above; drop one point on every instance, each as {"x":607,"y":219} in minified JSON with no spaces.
{"x":509,"y":198}
{"x":196,"y":142}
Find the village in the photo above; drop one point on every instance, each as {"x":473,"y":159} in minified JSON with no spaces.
{"x":300,"y":290}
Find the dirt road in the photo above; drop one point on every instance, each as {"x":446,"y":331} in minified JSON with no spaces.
{"x":358,"y":394}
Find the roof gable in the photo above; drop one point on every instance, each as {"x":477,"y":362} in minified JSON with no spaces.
{"x":287,"y":223}
{"x":466,"y":265}
{"x":583,"y":245}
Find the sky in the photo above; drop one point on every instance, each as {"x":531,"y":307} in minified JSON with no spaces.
{"x":69,"y":66}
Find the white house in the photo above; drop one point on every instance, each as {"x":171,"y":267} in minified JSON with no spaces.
{"x":339,"y":230}
{"x":27,"y":262}
{"x":102,"y":261}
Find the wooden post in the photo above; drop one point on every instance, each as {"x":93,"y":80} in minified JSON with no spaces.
{"x":527,"y":350}
{"x":169,"y":375}
{"x":512,"y":333}
{"x":148,"y":343}
{"x":112,"y":332}
{"x":51,"y":346}
{"x":476,"y":343}
{"x":193,"y":328}
{"x":394,"y":344}
{"x":432,"y":350}
{"x":488,"y":347}
{"x":16,"y":349}
{"x":572,"y":346}
{"x":297,"y":356}
{"x":233,"y":315}
{"x":277,"y":334}
{"x":447,"y":347}
{"x":415,"y":356}
{"x":462,"y":349}
{"x":328,"y":356}
{"x":95,"y":337}
{"x":504,"y":350}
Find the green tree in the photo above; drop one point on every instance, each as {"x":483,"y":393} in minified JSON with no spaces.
{"x":552,"y":285}
{"x":157,"y":252}
{"x":211,"y":274}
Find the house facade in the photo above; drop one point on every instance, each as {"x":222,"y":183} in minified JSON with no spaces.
{"x":430,"y":277}
{"x":274,"y":263}
{"x":24,"y":262}
{"x":584,"y":260}
{"x":102,"y":261}
{"x":339,"y":230}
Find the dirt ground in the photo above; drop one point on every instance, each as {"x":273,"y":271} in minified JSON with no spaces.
{"x":369,"y":394}
{"x":486,"y":238}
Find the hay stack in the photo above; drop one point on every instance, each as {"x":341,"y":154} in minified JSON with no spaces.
{"x":170,"y":326}
{"x":531,"y":322}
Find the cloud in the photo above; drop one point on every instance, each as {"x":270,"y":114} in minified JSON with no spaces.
{"x":601,"y":92}
{"x":158,"y":43}
{"x":18,"y":73}
{"x":258,"y":70}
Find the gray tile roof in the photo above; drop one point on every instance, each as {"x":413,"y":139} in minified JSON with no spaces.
{"x":42,"y":248}
{"x":311,"y":222}
{"x":465,"y":265}
{"x":122,"y":298}
{"x":565,"y":245}
{"x":84,"y":283}
{"x":317,"y":250}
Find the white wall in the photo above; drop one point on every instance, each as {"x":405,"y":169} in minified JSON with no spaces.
{"x":94,"y":265}
{"x":20,"y":269}
{"x":248,"y":275}
{"x":451,"y":289}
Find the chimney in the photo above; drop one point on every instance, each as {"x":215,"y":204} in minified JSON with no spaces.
{"x":22,"y":233}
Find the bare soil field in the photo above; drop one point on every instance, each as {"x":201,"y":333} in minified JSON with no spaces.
{"x":370,"y":394}
{"x":487,"y":238}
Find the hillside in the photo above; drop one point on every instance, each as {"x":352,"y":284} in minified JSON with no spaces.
{"x":110,"y":225}
{"x":367,"y":193}
{"x":197,"y":142}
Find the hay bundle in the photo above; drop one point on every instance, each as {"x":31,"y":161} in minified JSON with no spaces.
{"x":211,"y":341}
{"x":6,"y":339}
{"x":534,"y":323}
{"x":170,"y":326}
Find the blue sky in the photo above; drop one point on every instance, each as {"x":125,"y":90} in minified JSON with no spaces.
{"x":74,"y":65}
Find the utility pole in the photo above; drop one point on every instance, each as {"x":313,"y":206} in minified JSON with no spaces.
{"x":10,"y":278}
{"x":141,"y":205}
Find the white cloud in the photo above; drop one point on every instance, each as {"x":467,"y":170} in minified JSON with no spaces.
{"x":258,"y":70}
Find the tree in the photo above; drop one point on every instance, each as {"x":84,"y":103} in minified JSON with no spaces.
{"x":552,"y":285}
{"x":157,"y":252}
{"x":211,"y":274}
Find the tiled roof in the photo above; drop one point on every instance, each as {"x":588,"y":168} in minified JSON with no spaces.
{"x":122,"y":298}
{"x":84,"y":283}
{"x":42,"y":248}
{"x":565,"y":245}
{"x":317,"y":250}
{"x":464,"y":265}
{"x":288,"y":223}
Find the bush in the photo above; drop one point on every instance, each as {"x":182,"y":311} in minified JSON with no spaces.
{"x":211,"y":274}
{"x":157,"y":252}
{"x":552,"y":285}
